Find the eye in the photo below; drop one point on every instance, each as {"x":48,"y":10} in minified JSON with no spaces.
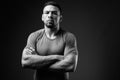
{"x":55,"y":13}
{"x":47,"y":12}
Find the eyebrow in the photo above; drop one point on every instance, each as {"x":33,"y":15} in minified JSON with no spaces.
{"x":54,"y":11}
{"x":50,"y":11}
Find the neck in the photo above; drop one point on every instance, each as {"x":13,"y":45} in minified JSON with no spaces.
{"x":51,"y":33}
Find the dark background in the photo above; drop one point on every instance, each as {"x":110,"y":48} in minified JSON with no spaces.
{"x":94,"y":23}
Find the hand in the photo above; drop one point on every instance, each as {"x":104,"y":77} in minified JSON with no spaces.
{"x":27,"y":51}
{"x":32,"y":49}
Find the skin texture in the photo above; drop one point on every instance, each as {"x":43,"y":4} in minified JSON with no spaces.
{"x":51,"y":16}
{"x":48,"y":61}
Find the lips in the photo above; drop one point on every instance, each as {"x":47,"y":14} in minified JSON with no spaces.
{"x":50,"y":21}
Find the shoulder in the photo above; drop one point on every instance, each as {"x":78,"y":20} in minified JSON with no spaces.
{"x":35,"y":34}
{"x":69,"y":36}
{"x":38,"y":32}
{"x":69,"y":39}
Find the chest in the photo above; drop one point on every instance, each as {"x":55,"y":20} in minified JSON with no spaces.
{"x":46,"y":46}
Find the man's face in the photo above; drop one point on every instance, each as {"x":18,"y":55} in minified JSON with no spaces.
{"x":51,"y":16}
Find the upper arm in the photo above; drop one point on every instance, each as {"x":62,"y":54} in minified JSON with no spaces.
{"x":31,"y":41}
{"x":71,"y":52}
{"x":70,"y":45}
{"x":31,"y":44}
{"x":27,"y":51}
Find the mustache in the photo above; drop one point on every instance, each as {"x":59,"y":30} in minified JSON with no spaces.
{"x":50,"y":20}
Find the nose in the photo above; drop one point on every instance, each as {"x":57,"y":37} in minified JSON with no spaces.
{"x":50,"y":15}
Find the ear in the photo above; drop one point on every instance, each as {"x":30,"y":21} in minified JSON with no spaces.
{"x":61,"y":18}
{"x":42,"y":17}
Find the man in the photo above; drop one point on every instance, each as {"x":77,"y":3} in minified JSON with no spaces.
{"x":51,"y":51}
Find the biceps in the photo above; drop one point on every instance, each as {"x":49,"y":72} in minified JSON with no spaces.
{"x":71,"y":55}
{"x":67,"y":61}
{"x":71,"y":58}
{"x":71,"y":61}
{"x":26,"y":54}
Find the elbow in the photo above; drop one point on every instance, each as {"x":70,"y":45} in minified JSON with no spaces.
{"x":24,"y":63}
{"x":71,"y":68}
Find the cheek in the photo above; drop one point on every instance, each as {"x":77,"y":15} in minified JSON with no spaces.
{"x":44,"y":17}
{"x":44,"y":20}
{"x":58,"y":19}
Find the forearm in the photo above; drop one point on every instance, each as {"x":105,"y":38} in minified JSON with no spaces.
{"x":66,"y":65}
{"x":62,"y":66}
{"x":37,"y":61}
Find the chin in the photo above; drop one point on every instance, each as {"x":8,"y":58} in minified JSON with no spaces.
{"x":50,"y":25}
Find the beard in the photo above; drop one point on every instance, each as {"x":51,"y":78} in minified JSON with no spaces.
{"x":50,"y":24}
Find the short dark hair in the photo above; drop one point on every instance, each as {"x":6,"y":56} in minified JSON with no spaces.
{"x":54,"y":4}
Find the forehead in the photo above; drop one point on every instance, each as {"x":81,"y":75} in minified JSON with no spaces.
{"x":50,"y":8}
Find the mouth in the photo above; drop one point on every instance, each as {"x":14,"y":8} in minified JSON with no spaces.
{"x":50,"y":21}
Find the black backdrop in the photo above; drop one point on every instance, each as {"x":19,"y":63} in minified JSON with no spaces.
{"x":94,"y":22}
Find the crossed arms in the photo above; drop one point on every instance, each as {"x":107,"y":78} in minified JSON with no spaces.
{"x":66,"y":62}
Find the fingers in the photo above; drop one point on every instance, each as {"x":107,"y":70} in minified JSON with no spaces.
{"x":27,"y":51}
{"x":32,"y":49}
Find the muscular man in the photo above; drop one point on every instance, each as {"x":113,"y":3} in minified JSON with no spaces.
{"x":51,"y":51}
